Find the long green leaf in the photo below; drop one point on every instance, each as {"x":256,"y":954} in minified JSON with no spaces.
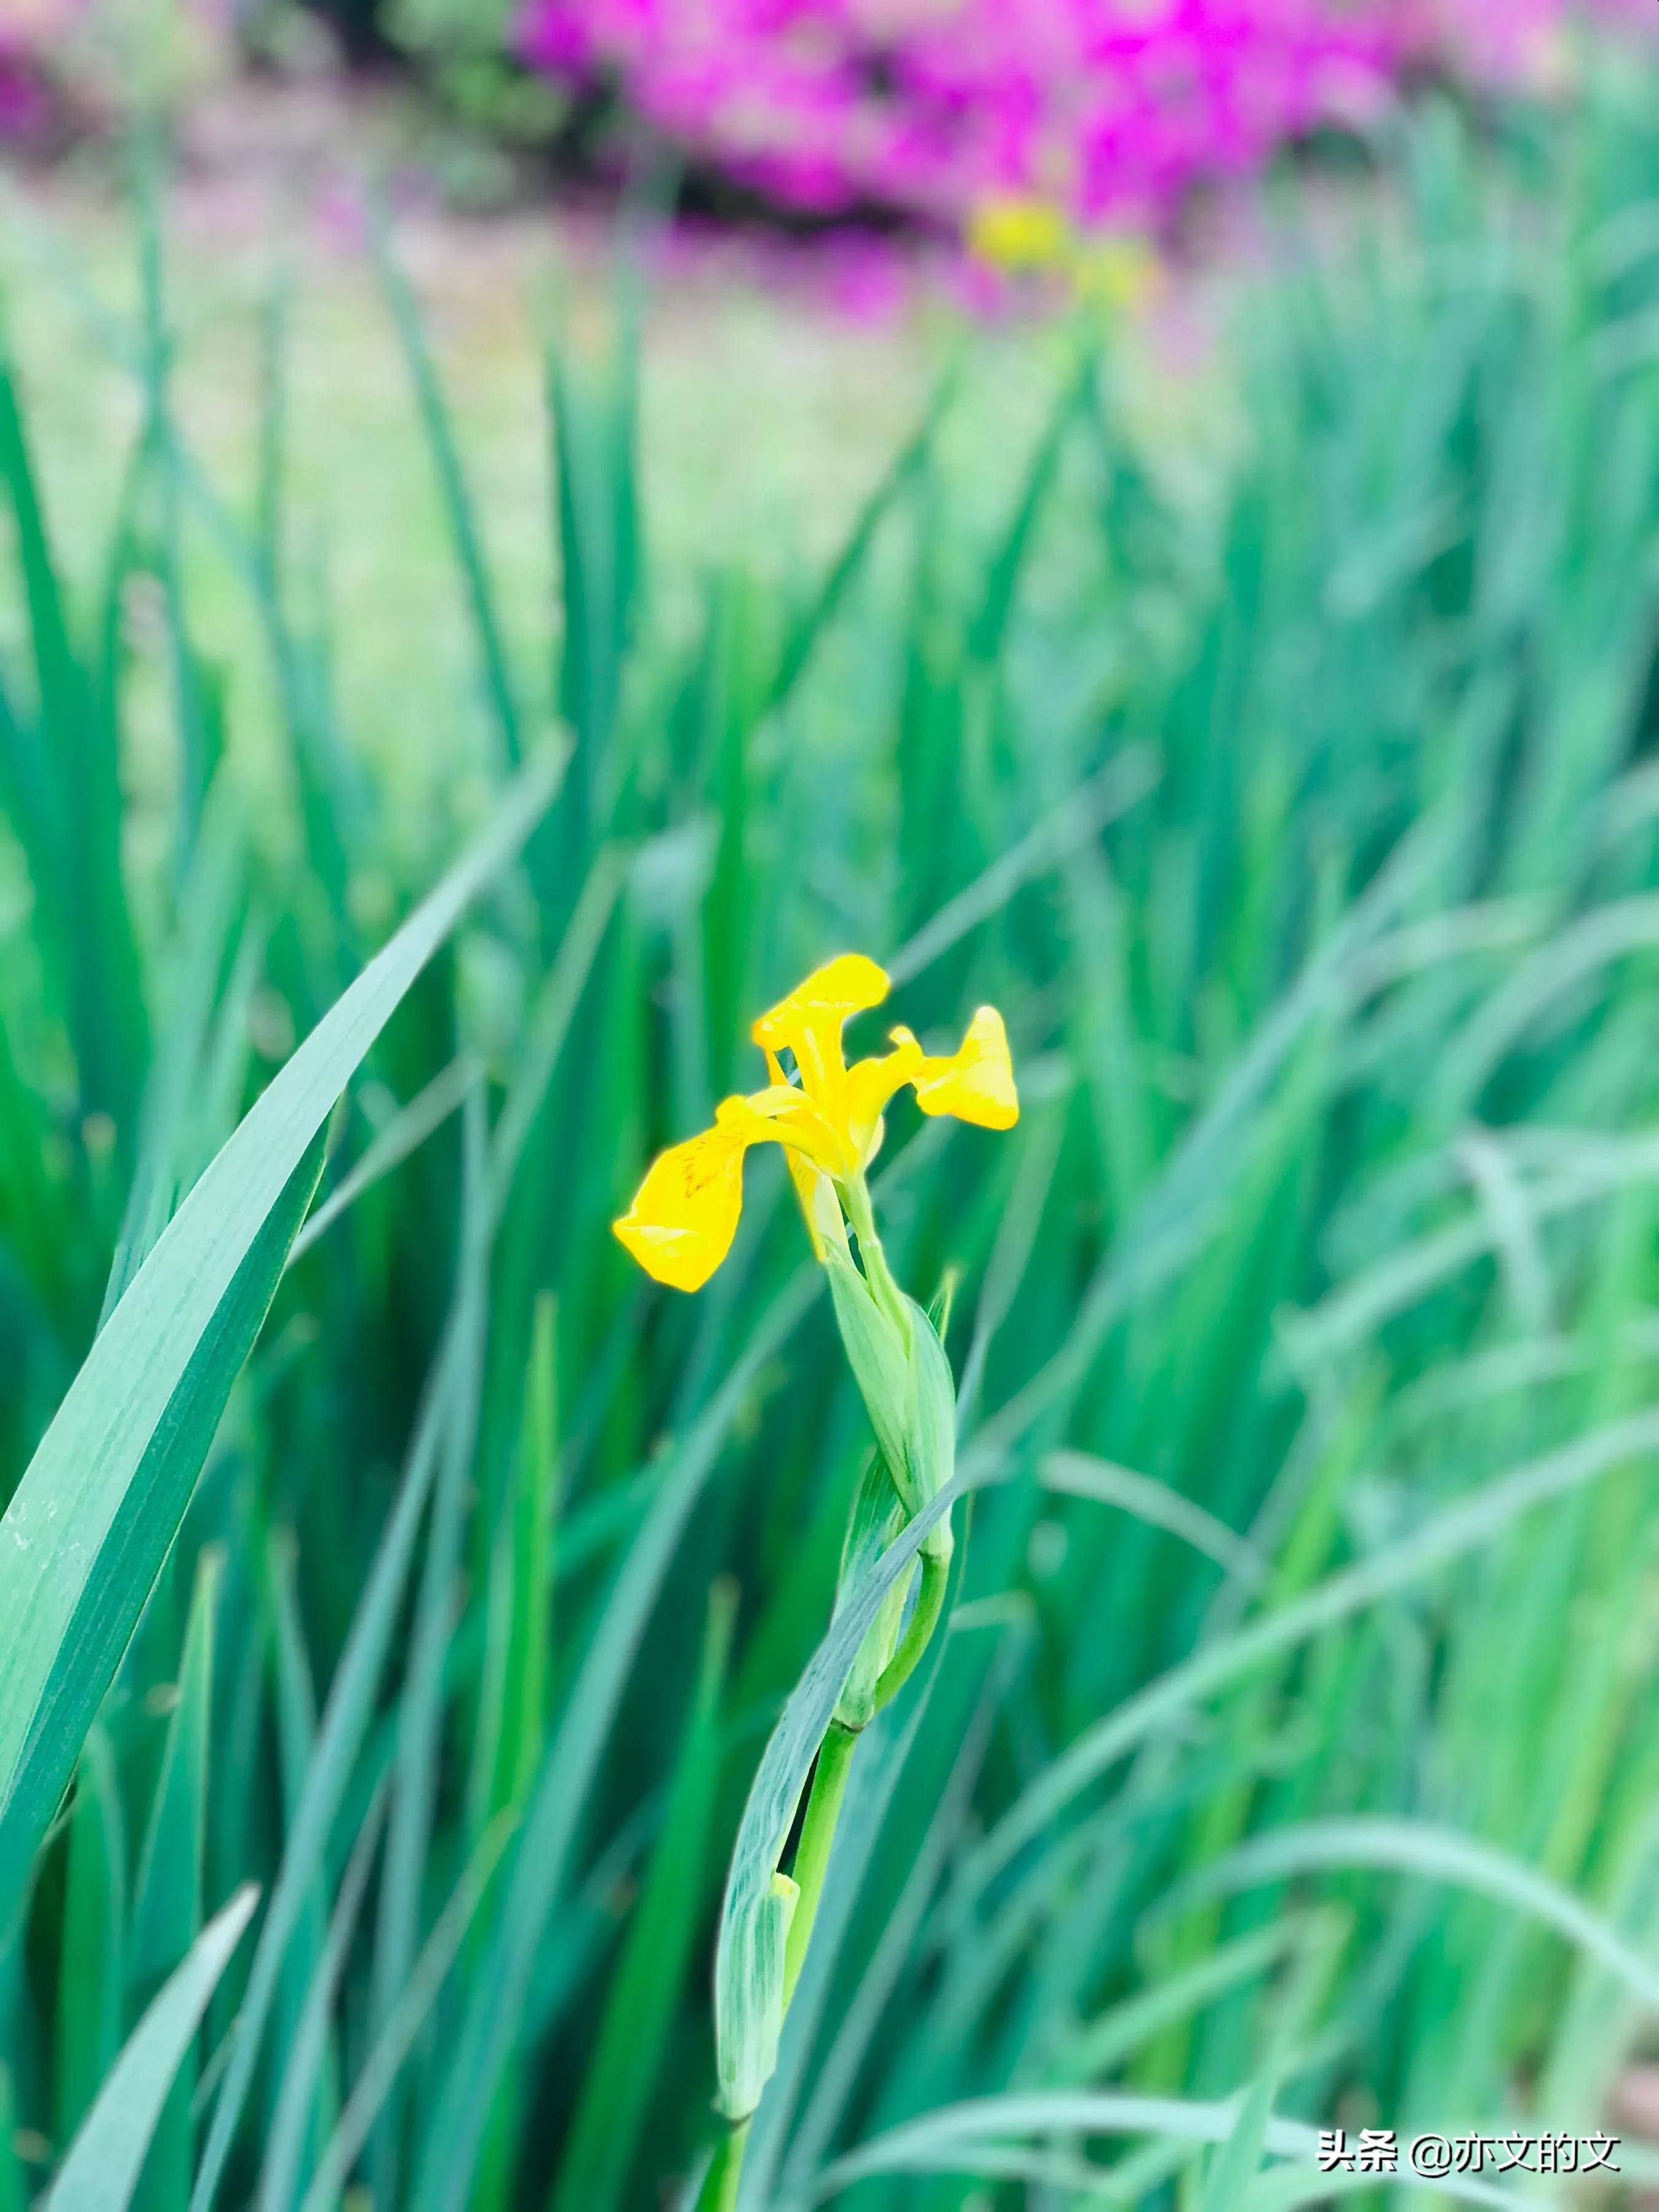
{"x":291,"y":2118}
{"x":629,"y":2046}
{"x":748,"y":2012}
{"x":1415,"y":1847}
{"x":12,"y":2197}
{"x":92,"y":1520}
{"x":494,"y":2014}
{"x":460,"y":510}
{"x":101,"y":2170}
{"x":929,"y":2144}
{"x":166,"y":1912}
{"x":421,"y":1711}
{"x":345,"y":1723}
{"x":391,"y":2047}
{"x":92,"y":1960}
{"x":1240,"y":2159}
{"x":1461,"y":1530}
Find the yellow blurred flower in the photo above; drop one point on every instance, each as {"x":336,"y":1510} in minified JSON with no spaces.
{"x":1034,"y":237}
{"x":1021,"y":236}
{"x":828,"y":1119}
{"x":1118,"y":273}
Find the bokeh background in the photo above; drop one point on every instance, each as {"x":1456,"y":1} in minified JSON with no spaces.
{"x":1143,"y":511}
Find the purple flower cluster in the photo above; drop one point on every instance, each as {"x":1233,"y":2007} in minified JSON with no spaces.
{"x":29,"y":31}
{"x":22,"y":100}
{"x":1108,"y":109}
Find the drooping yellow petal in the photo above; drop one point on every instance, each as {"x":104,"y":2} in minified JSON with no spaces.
{"x":870,"y":1083}
{"x":685,"y":1212}
{"x":976,"y":1083}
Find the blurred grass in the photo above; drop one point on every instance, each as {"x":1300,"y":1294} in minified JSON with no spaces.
{"x":1291,"y":1759}
{"x":764,"y":416}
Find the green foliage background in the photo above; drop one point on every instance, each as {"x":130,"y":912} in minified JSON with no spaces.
{"x":1296,"y":1731}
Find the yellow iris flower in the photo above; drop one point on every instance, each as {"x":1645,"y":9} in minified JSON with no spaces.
{"x":685,"y":1212}
{"x":1019,"y":234}
{"x":1029,"y":236}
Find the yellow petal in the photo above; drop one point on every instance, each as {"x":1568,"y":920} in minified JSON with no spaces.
{"x":843,"y":986}
{"x":809,"y":1023}
{"x":976,"y":1083}
{"x":871,"y":1084}
{"x":684,"y":1215}
{"x":784,"y":1115}
{"x":806,"y":1177}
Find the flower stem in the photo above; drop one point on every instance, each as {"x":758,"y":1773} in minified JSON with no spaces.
{"x":834,"y":1764}
{"x":876,"y":1272}
{"x":818,"y":1835}
{"x":719,"y":2192}
{"x":924,"y":1618}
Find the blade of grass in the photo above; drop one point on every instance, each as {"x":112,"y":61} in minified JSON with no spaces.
{"x":397,"y":2039}
{"x":513,"y":1690}
{"x":403,"y":1136}
{"x":1128,"y":778}
{"x":92,"y":1963}
{"x":420,"y":1709}
{"x":286,"y":2138}
{"x":166,"y":1912}
{"x":922,"y":2145}
{"x":12,"y":2196}
{"x":216,"y":891}
{"x":639,"y":2016}
{"x":1462,"y":1528}
{"x":459,"y":510}
{"x":346,"y":1725}
{"x":77,"y":872}
{"x":810,"y":625}
{"x":101,"y":2170}
{"x":1080,"y":1474}
{"x":491,"y":2022}
{"x":1414,"y":1847}
{"x":1240,"y":2158}
{"x":294,"y":1695}
{"x":92,"y":1518}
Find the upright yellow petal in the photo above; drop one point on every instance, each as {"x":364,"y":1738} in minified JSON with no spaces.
{"x":685,"y":1214}
{"x":841,"y":987}
{"x":871,"y":1084}
{"x":976,"y":1083}
{"x":809,"y":1023}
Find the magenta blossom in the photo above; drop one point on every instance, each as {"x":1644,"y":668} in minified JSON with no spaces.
{"x":23,"y":105}
{"x":1108,"y":109}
